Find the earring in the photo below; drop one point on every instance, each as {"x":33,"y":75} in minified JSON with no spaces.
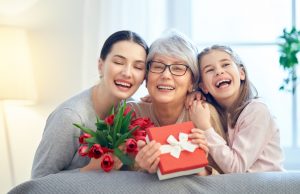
{"x":100,"y":76}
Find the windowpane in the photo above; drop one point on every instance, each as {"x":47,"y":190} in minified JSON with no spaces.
{"x":239,"y":21}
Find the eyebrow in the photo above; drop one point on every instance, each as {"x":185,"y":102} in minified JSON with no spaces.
{"x":178,"y":62}
{"x":122,"y":57}
{"x":222,"y":60}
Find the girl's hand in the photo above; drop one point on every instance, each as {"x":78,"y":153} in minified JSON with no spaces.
{"x":200,"y":114}
{"x":196,"y":95}
{"x":198,"y":137}
{"x":146,"y":99}
{"x":148,"y":156}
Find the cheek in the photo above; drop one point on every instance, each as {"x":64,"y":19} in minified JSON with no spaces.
{"x":139,"y":76}
{"x":151,"y":82}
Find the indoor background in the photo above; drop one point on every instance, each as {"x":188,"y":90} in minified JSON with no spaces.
{"x":64,"y":38}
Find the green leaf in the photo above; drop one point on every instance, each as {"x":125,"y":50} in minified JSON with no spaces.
{"x":118,"y":121}
{"x":289,"y":47}
{"x":126,"y":160}
{"x":85,"y":129}
{"x":91,"y":140}
{"x":101,"y":138}
{"x":126,"y":123}
{"x":101,"y":125}
{"x":109,"y":137}
{"x":125,"y":136}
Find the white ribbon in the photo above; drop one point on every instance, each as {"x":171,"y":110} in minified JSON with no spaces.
{"x":175,"y":147}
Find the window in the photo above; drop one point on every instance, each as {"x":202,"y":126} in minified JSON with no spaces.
{"x":252,"y":28}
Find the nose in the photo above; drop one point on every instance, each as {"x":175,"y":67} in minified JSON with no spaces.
{"x":219,"y":71}
{"x":167,"y":71}
{"x":126,"y":71}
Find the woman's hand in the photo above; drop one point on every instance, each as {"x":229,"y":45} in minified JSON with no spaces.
{"x":148,"y":156}
{"x":198,"y":137}
{"x":200,"y":114}
{"x":191,"y":97}
{"x":146,"y":99}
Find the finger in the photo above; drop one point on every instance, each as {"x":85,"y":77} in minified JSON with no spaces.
{"x":203,"y":173}
{"x":147,"y":160}
{"x":152,"y":149}
{"x":197,"y":130}
{"x":198,"y":96}
{"x":199,"y":142}
{"x":154,"y":166}
{"x":205,"y":148}
{"x":141,"y":144}
{"x":149,"y":149}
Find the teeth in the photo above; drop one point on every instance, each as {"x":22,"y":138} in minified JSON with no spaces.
{"x":123,"y":84}
{"x":222,"y":81}
{"x":165,"y":87}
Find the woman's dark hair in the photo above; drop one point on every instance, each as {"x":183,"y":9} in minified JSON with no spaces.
{"x":120,"y":36}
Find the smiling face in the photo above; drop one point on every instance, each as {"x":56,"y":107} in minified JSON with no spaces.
{"x":123,"y":69}
{"x":221,"y":77}
{"x":166,"y":88}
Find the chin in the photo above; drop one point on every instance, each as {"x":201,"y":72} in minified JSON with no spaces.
{"x":122,"y":95}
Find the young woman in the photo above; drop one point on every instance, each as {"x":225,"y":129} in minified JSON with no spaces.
{"x":253,"y":137}
{"x":122,"y":70}
{"x":172,"y":74}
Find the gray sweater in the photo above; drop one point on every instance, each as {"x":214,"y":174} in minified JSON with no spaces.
{"x":57,"y":151}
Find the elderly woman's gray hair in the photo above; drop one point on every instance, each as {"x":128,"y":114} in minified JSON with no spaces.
{"x":176,"y":44}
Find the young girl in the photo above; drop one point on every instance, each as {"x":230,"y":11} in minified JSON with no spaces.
{"x":253,"y":137}
{"x":121,"y":70}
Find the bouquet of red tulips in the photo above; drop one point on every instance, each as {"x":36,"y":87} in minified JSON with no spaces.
{"x":118,"y":130}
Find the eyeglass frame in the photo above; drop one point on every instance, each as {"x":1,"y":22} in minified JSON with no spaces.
{"x":167,"y":66}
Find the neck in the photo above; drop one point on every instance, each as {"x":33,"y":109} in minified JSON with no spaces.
{"x":102,"y":101}
{"x":228,"y":102}
{"x":166,"y":114}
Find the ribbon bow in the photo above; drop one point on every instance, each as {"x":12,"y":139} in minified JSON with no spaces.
{"x":175,"y":147}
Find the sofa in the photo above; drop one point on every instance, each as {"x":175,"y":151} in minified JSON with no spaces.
{"x":139,"y":182}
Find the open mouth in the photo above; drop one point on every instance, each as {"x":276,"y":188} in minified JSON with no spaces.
{"x":163,"y":87}
{"x":223,"y":83}
{"x":123,"y":84}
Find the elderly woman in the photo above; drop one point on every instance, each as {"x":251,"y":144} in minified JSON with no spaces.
{"x":172,"y":73}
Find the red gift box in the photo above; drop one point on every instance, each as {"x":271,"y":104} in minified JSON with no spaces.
{"x":187,"y":162}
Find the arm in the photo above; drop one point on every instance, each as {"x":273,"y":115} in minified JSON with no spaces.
{"x":247,"y":140}
{"x":58,"y":145}
{"x":205,"y":116}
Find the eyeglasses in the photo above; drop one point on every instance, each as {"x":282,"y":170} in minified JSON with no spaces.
{"x":175,"y":69}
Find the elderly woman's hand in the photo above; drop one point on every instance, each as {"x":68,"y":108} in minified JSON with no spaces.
{"x":146,"y":99}
{"x":148,"y":156}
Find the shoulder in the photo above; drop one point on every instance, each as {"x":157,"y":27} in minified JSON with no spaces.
{"x":79,"y":101}
{"x":142,"y":109}
{"x":256,"y":107}
{"x":76,"y":109}
{"x":256,"y":113}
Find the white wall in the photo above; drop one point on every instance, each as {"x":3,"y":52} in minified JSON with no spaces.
{"x":55,"y":30}
{"x":65,"y":37}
